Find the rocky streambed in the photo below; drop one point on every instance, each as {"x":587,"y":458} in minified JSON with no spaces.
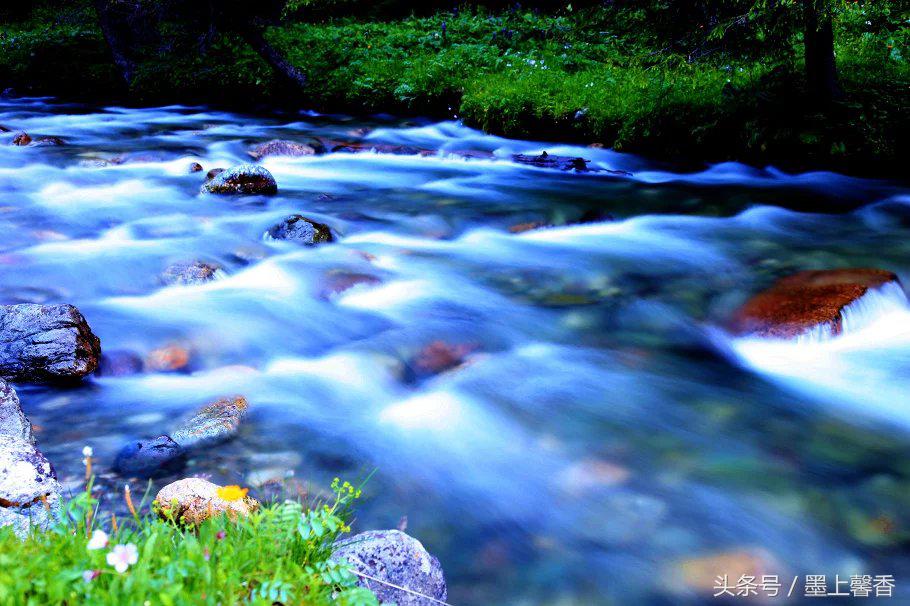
{"x":570,"y":369}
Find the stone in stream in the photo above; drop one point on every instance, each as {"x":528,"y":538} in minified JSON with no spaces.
{"x":119,"y":363}
{"x":148,"y":458}
{"x":213,"y":173}
{"x":213,"y":423}
{"x":194,"y":167}
{"x":49,"y":141}
{"x":545,"y":160}
{"x":46,"y":343}
{"x":807,"y":300}
{"x":298,"y":228}
{"x":398,"y":559}
{"x":29,"y":491}
{"x":13,"y":422}
{"x":280,"y":147}
{"x":191,"y":273}
{"x":247,"y":179}
{"x":169,"y":358}
{"x":193,"y":500}
{"x":22,"y":139}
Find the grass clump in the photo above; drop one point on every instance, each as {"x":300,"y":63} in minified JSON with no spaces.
{"x":280,"y":554}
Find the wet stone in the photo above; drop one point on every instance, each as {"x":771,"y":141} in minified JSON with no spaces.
{"x":298,"y":228}
{"x":279,"y":147}
{"x":245,"y":179}
{"x":215,"y":422}
{"x":22,"y":139}
{"x":46,"y":343}
{"x":148,"y":458}
{"x":119,"y":363}
{"x":191,"y":273}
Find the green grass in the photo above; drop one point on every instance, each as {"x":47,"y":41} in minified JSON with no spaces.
{"x":599,"y":75}
{"x":279,"y":554}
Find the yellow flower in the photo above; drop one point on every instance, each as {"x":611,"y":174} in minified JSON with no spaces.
{"x":232,"y":493}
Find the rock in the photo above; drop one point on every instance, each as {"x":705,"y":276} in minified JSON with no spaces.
{"x":806,"y":300}
{"x":5,"y":129}
{"x":22,"y":139}
{"x":438,"y":357}
{"x":396,"y":558}
{"x":249,"y":179}
{"x":193,"y":500}
{"x":46,"y":343}
{"x":147,"y":458}
{"x":167,"y":359}
{"x":337,"y":282}
{"x":372,"y":146}
{"x":545,"y":160}
{"x":213,"y":173}
{"x":13,"y":422}
{"x":29,"y":491}
{"x":301,"y":230}
{"x":213,"y":423}
{"x":279,"y":147}
{"x":49,"y":141}
{"x":520,"y":228}
{"x":190,"y":273}
{"x":194,"y":167}
{"x":119,"y":363}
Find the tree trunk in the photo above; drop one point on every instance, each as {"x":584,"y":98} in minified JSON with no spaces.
{"x":288,"y":74}
{"x":821,"y":69}
{"x":118,"y":46}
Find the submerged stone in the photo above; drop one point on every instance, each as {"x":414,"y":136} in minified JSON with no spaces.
{"x":279,"y":147}
{"x":46,"y":343}
{"x":545,"y":160}
{"x":119,"y":363}
{"x":397,"y":559}
{"x":190,"y":273}
{"x":298,"y":228}
{"x":806,"y":300}
{"x":147,"y":458}
{"x":22,"y":139}
{"x":247,"y":179}
{"x":169,"y":358}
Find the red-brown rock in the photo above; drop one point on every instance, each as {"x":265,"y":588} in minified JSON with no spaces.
{"x":22,"y":139}
{"x":798,"y":303}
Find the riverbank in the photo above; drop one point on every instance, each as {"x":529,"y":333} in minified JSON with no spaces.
{"x":596,"y":77}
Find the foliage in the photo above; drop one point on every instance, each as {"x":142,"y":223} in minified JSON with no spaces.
{"x":280,"y":554}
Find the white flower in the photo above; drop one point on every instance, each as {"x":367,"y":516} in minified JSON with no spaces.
{"x":87,"y":451}
{"x":89,"y":575}
{"x":122,"y":557}
{"x":98,"y":540}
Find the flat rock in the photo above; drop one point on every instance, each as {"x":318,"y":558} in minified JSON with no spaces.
{"x":396,"y":558}
{"x":806,"y":300}
{"x":13,"y":422}
{"x":298,"y":228}
{"x":545,"y":160}
{"x":29,"y":491}
{"x":213,"y":423}
{"x":193,"y":500}
{"x":247,"y":179}
{"x":46,"y":343}
{"x":191,"y":273}
{"x":280,"y":147}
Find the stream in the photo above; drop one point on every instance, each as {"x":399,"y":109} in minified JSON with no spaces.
{"x":603,"y":428}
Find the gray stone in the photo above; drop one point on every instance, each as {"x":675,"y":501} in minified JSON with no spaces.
{"x":213,"y":423}
{"x":46,"y":343}
{"x":398,"y":559}
{"x":250,"y":179}
{"x":149,"y":458}
{"x":298,"y":228}
{"x":13,"y":422}
{"x":195,"y":272}
{"x":281,"y":147}
{"x":29,"y":492}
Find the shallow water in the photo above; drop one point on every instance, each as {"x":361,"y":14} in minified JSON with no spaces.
{"x":604,"y":428}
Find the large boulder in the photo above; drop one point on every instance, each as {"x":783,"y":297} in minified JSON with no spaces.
{"x":298,"y":228}
{"x":193,"y":500}
{"x":13,"y":422}
{"x":249,"y":179}
{"x":807,"y":300}
{"x":280,"y":147}
{"x":46,"y":343}
{"x":398,"y":559}
{"x":29,"y":491}
{"x":149,"y":458}
{"x":213,"y":423}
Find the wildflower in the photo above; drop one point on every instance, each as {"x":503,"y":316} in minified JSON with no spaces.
{"x":89,"y":575}
{"x":98,"y":540}
{"x":122,"y":557}
{"x":129,"y":500}
{"x":220,"y":535}
{"x":206,"y":554}
{"x":232,"y":493}
{"x":87,"y":451}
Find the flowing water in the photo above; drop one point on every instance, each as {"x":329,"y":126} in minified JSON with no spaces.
{"x":604,"y":427}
